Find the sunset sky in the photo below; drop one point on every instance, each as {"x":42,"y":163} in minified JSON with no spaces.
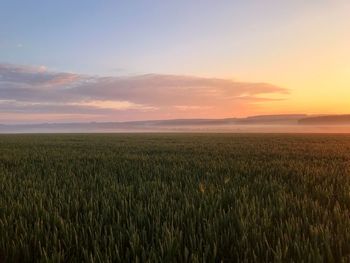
{"x":63,"y":61}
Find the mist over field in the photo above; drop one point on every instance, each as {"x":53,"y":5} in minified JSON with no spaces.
{"x":81,"y":128}
{"x":256,"y":124}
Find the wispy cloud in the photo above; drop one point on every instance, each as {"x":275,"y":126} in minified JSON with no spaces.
{"x":28,"y":90}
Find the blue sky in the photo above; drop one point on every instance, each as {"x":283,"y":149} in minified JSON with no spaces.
{"x":128,"y":37}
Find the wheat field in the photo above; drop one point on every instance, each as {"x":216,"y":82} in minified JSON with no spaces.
{"x":174,"y":198}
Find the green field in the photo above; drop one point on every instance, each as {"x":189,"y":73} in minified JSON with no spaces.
{"x":175,"y":198}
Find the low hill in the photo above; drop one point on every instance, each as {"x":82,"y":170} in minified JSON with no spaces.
{"x":272,"y":119}
{"x":326,"y":120}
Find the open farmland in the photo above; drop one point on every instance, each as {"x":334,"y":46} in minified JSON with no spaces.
{"x":174,"y":198}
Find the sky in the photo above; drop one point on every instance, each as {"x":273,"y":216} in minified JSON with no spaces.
{"x":64,"y":61}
